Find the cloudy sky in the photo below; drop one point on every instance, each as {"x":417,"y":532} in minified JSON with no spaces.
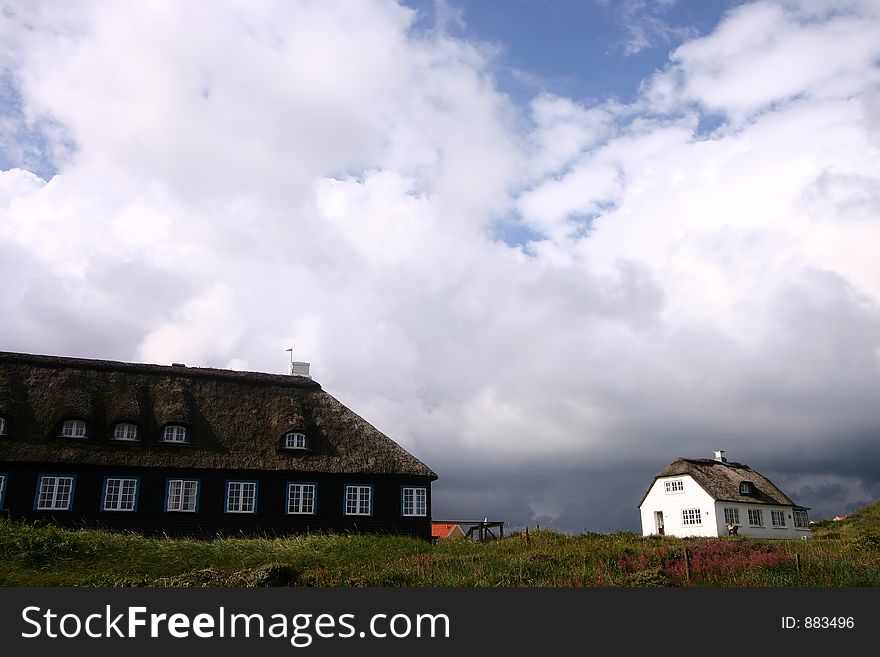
{"x":547,"y":247}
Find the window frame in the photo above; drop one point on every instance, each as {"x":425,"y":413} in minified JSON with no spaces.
{"x":121,"y":479}
{"x":181,"y":427}
{"x":732,"y":517}
{"x":4,"y":484}
{"x":746,"y":488}
{"x":759,"y":513}
{"x":414,"y":502}
{"x":118,"y":425}
{"x":780,"y":515}
{"x":70,"y":494}
{"x":797,"y":515}
{"x":182,"y":480}
{"x":295,"y":435}
{"x":358,"y":501}
{"x":4,"y":425}
{"x":313,"y":486}
{"x":75,"y":422}
{"x":691,"y":517}
{"x":673,"y":486}
{"x":241,"y":483}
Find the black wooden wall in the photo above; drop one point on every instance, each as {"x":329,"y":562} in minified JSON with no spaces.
{"x":210,"y":519}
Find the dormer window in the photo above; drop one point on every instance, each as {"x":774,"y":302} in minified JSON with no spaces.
{"x":2,"y":426}
{"x":73,"y":429}
{"x":295,"y":440}
{"x":746,"y":488}
{"x":174,"y":433}
{"x":125,"y":431}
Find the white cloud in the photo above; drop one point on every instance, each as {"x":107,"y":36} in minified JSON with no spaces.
{"x":299,"y":174}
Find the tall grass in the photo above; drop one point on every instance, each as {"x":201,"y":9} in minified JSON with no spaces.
{"x":49,"y":556}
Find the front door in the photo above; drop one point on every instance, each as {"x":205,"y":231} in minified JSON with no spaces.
{"x":658,"y":517}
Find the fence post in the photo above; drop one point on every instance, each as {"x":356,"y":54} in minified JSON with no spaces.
{"x":797,"y":562}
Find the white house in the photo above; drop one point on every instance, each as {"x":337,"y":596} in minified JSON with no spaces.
{"x":699,"y":497}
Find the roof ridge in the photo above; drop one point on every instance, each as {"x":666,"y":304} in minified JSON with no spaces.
{"x":286,"y":380}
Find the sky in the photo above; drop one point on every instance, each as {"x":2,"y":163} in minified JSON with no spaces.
{"x":548,"y":247}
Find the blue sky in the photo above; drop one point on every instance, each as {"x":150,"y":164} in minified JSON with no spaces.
{"x":574,"y":241}
{"x":585,"y":50}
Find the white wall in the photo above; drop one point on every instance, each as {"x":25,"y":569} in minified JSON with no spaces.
{"x":671,"y":504}
{"x":768,"y":530}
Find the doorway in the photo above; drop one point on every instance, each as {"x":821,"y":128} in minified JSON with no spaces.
{"x":658,"y":519}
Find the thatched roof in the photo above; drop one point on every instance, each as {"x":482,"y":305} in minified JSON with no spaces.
{"x":236,"y":420}
{"x":722,"y":479}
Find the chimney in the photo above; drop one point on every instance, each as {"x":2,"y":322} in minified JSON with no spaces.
{"x":719,"y":456}
{"x":299,"y":368}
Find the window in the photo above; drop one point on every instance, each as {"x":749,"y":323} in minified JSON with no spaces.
{"x":358,"y":500}
{"x":183,"y":495}
{"x":777,"y":518}
{"x":674,"y":486}
{"x":119,"y":494}
{"x":731,"y":516}
{"x":294,"y":440}
{"x":2,"y":489}
{"x":2,"y":426}
{"x":415,"y":501}
{"x":54,"y":493}
{"x":745,"y":488}
{"x":300,"y":498}
{"x":73,"y":429}
{"x":125,"y":431}
{"x":241,"y":496}
{"x":174,"y":433}
{"x":756,"y":517}
{"x":690,"y":517}
{"x":800,"y":519}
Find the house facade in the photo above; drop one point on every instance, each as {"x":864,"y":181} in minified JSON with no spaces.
{"x":702,"y":497}
{"x":197,"y":451}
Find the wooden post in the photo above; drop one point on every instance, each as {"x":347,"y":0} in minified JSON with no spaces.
{"x":528,"y":539}
{"x":687,"y":566}
{"x":797,"y":562}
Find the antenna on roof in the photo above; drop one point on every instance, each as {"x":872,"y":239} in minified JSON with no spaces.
{"x":291,"y":353}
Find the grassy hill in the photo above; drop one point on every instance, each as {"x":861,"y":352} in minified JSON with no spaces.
{"x":845,"y":554}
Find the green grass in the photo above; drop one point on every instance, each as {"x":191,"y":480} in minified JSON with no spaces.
{"x":847,"y":554}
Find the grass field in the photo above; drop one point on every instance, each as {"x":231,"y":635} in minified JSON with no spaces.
{"x":839,"y":554}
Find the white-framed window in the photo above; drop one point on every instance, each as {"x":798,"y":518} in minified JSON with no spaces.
{"x":745,"y":487}
{"x":777,"y":518}
{"x":731,"y":515}
{"x":174,"y":433}
{"x":125,"y":431}
{"x":55,"y":493}
{"x":183,"y":495}
{"x":73,"y":429}
{"x":2,"y":426}
{"x":300,"y":499}
{"x":241,"y":497}
{"x":756,"y":517}
{"x":691,"y":517}
{"x":801,"y":521}
{"x":2,"y":489}
{"x":674,"y":486}
{"x":358,"y":500}
{"x":415,"y":501}
{"x":120,"y":494}
{"x":294,"y":440}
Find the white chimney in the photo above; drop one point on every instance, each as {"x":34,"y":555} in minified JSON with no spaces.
{"x":299,"y":368}
{"x":719,"y":456}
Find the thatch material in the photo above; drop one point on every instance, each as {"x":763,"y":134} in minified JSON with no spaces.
{"x":236,"y":419}
{"x":722,"y":479}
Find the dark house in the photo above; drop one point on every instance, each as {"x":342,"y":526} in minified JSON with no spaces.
{"x":185,"y":450}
